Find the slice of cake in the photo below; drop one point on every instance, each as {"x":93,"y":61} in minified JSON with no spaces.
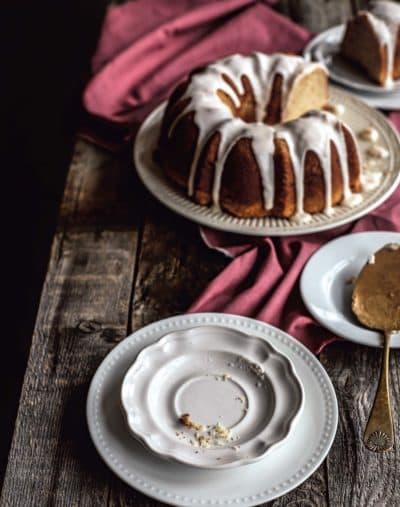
{"x":372,"y":40}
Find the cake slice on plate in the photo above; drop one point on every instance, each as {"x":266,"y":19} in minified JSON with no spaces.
{"x":372,"y":40}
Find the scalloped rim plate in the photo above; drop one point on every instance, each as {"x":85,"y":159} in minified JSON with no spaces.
{"x":324,"y":49}
{"x":217,"y":375}
{"x":283,"y":469}
{"x":357,"y":115}
{"x":325,"y":286}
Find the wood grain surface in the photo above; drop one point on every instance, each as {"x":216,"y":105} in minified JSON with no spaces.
{"x":119,"y":261}
{"x":357,"y":476}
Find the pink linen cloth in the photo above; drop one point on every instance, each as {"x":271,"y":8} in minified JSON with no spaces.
{"x":145,"y":48}
{"x":262,"y":280}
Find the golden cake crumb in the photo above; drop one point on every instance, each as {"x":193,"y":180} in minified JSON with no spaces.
{"x":185,"y":419}
{"x":207,"y":436}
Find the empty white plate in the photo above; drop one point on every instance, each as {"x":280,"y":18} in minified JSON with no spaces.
{"x":282,"y":469}
{"x":237,"y":394}
{"x":326,"y":284}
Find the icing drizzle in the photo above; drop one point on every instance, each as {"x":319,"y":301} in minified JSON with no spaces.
{"x":312,"y":132}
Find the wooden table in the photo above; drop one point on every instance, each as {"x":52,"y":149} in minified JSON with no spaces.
{"x":120,"y":260}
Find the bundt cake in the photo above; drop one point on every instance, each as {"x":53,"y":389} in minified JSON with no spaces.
{"x":372,"y":40}
{"x":218,"y":141}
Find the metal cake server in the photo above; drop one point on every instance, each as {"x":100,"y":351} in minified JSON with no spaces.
{"x":376,"y":303}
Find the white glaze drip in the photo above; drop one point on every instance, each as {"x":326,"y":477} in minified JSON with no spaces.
{"x":217,"y":121}
{"x":262,"y":143}
{"x":302,"y":135}
{"x":231,"y":132}
{"x":314,"y":132}
{"x":385,"y":21}
{"x":263,"y":149}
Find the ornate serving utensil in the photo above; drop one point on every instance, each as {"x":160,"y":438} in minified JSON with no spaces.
{"x":376,"y":303}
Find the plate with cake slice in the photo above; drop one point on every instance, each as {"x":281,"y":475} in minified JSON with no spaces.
{"x":325,"y":48}
{"x":330,"y":277}
{"x":363,"y":54}
{"x":261,"y":145}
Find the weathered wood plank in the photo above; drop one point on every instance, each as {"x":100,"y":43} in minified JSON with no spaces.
{"x":84,"y":310}
{"x":357,"y":476}
{"x":174,"y":266}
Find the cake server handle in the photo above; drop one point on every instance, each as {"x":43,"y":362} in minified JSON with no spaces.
{"x":378,"y":436}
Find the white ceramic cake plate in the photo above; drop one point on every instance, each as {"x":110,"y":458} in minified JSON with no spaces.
{"x":241,"y":395}
{"x":283,"y":468}
{"x":388,"y":102}
{"x":357,"y":115}
{"x":324,"y":48}
{"x":326,"y":284}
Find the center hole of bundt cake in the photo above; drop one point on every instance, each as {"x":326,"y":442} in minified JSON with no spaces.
{"x":249,"y":110}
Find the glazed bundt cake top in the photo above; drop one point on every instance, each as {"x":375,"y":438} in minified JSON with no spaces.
{"x":244,"y":84}
{"x":384,"y":18}
{"x":230,"y":97}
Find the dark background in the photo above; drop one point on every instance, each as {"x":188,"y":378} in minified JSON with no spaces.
{"x":46,"y":52}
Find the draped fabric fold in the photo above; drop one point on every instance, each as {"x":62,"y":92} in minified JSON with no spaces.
{"x":262,"y":280}
{"x":148,"y":46}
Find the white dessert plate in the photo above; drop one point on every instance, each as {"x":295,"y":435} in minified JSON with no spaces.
{"x":240,"y":396}
{"x":326,"y":284}
{"x":324,"y":48}
{"x":389,"y":101}
{"x":357,"y":115}
{"x":282,"y":469}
